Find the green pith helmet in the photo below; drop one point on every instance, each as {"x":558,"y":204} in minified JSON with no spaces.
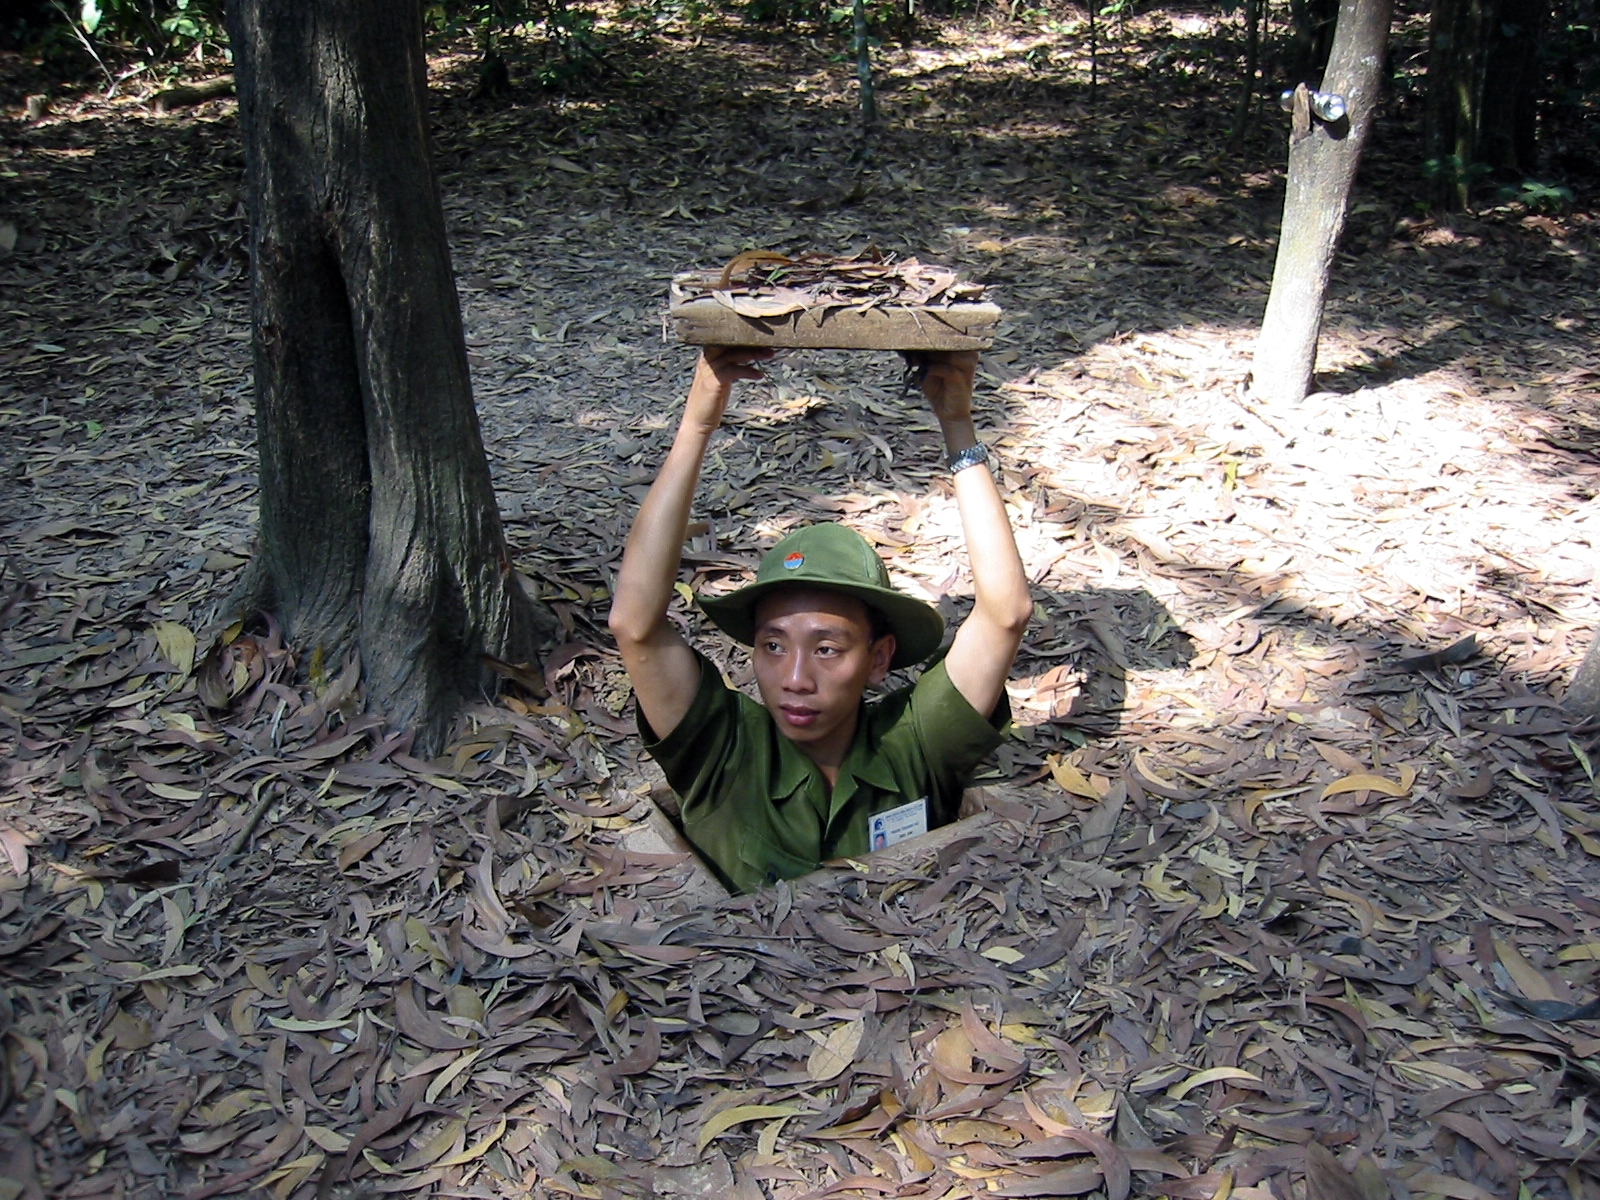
{"x":836,"y":559}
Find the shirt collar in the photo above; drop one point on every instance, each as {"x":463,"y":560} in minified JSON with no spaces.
{"x":792,"y":769}
{"x":861,"y":762}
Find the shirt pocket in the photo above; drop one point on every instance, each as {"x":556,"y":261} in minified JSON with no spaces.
{"x":772,"y":863}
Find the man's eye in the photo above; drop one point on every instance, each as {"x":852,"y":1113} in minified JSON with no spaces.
{"x":827,"y":651}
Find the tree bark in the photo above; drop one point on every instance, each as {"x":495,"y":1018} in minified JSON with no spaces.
{"x":1323,"y":158}
{"x":379,"y":531}
{"x":1583,"y":696}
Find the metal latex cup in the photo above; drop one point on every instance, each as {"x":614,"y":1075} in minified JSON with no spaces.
{"x":1327,"y":107}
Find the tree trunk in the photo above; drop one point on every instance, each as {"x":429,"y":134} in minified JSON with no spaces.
{"x":1483,"y":88}
{"x":869,"y":98}
{"x":1583,"y":696}
{"x":1252,"y":65}
{"x":379,"y":531}
{"x":1094,"y":54}
{"x":1458,"y":34}
{"x":1323,"y":158}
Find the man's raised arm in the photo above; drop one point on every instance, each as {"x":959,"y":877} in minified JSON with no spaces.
{"x":985,"y":646}
{"x":660,"y":664}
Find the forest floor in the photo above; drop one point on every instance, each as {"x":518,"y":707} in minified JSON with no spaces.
{"x":1279,"y":865}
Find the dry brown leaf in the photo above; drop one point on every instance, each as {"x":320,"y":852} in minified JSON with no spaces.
{"x":835,"y":1052}
{"x":1529,"y":980}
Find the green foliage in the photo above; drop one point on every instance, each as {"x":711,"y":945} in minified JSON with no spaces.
{"x":191,"y":21}
{"x":557,"y":43}
{"x":572,"y":46}
{"x":1540,"y":197}
{"x":157,"y":30}
{"x":895,"y":19}
{"x":788,"y":12}
{"x":638,"y":13}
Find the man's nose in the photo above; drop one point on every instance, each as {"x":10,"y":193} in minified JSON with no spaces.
{"x":797,"y":678}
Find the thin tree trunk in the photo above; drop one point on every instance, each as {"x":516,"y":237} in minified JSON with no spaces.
{"x":869,"y":98}
{"x":379,"y":530}
{"x":1322,"y":166}
{"x":1094,"y":52}
{"x":1252,"y":64}
{"x":1457,"y":42}
{"x":1583,"y":696}
{"x":1483,"y":87}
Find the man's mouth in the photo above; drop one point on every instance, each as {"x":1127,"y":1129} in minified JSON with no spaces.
{"x":799,"y":715}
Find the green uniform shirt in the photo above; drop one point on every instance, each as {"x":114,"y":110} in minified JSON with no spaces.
{"x":759,"y":810}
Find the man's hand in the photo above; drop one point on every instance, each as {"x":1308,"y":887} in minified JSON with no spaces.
{"x":719,"y":368}
{"x":947,"y":377}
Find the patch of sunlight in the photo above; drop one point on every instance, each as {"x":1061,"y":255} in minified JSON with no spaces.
{"x":918,"y":61}
{"x":1420,"y":495}
{"x":996,"y":210}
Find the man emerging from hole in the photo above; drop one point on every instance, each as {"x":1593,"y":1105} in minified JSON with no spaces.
{"x":769,"y":791}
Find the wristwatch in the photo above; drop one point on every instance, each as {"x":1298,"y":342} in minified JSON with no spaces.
{"x":970,"y":457}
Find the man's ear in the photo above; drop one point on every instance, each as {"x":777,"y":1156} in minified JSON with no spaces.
{"x":882,"y":655}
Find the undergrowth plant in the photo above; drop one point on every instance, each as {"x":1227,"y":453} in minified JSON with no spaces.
{"x":1539,"y":197}
{"x":120,"y":37}
{"x":559,"y":44}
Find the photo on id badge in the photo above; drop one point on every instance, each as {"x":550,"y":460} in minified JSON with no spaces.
{"x":898,"y":824}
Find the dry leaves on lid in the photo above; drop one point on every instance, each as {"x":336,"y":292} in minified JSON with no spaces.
{"x":763,"y":284}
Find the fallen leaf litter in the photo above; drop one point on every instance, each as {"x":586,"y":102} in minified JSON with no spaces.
{"x":825,"y":301}
{"x":1322,"y":881}
{"x":780,"y":284}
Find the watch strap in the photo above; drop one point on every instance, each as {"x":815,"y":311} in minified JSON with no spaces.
{"x":970,"y":457}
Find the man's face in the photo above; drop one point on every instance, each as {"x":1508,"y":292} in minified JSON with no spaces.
{"x":814,"y":656}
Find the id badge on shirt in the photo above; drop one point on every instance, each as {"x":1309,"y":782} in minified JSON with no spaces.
{"x":898,"y":824}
